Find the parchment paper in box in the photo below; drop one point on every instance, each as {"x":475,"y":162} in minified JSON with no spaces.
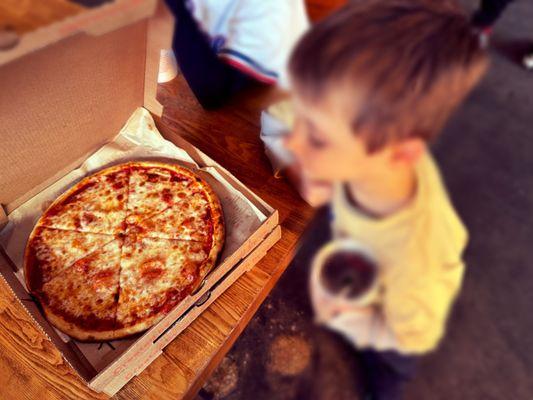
{"x":138,"y":140}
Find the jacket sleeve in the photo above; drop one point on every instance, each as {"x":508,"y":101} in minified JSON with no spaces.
{"x":212,"y":80}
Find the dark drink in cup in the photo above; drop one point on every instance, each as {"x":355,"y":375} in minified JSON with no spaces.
{"x":347,"y":273}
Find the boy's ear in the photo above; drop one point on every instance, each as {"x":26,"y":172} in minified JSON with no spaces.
{"x":408,"y":151}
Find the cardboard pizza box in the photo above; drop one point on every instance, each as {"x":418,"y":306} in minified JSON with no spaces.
{"x":66,"y":89}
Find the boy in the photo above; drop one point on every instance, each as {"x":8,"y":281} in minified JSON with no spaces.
{"x":372,"y":85}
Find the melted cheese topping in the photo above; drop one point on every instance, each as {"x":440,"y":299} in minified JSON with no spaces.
{"x":153,"y":190}
{"x":88,"y":290}
{"x":55,"y":250}
{"x":155,"y":275}
{"x":87,"y":221}
{"x":103,"y":192}
{"x":186,"y":220}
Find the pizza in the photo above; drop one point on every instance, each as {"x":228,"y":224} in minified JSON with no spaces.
{"x":115,"y":253}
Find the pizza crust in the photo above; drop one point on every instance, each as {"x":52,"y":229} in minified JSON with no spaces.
{"x":217,"y":242}
{"x":83,"y":335}
{"x":139,"y":327}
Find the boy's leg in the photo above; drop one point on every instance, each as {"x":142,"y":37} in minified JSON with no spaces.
{"x":386,"y":373}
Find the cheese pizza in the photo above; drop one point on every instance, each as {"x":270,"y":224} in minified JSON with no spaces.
{"x":119,"y":250}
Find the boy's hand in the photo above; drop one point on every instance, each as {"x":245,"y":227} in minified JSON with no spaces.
{"x":316,"y":193}
{"x":325,"y":312}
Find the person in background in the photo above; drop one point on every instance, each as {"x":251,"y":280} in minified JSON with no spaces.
{"x":372,"y":85}
{"x":222,"y":46}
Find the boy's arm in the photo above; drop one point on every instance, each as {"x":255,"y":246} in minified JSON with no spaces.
{"x":211,"y":79}
{"x":411,"y":320}
{"x":416,"y":311}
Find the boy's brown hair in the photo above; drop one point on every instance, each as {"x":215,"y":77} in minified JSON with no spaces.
{"x":410,"y":63}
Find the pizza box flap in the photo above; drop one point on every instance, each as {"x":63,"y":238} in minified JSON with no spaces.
{"x":64,"y":101}
{"x":35,"y":24}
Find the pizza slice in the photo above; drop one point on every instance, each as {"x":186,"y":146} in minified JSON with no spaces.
{"x":82,"y":299}
{"x":109,"y":222}
{"x":153,"y":189}
{"x":156,"y":274}
{"x":189,"y":219}
{"x":50,"y":251}
{"x":105,"y":191}
{"x":96,"y":205}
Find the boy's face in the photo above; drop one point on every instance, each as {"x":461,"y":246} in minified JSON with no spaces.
{"x":326,"y":147}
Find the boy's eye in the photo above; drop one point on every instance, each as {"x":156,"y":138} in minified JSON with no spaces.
{"x":313,"y":138}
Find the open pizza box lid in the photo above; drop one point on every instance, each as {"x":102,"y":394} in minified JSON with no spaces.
{"x":67,"y":90}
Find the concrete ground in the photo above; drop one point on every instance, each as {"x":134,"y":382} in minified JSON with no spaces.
{"x":486,"y":157}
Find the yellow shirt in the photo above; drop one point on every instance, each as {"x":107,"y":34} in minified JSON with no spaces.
{"x":419,"y":255}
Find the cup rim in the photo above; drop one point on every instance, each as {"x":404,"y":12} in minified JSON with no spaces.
{"x":349,"y":245}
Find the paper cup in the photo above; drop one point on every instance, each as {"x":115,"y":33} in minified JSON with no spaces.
{"x":328,"y":303}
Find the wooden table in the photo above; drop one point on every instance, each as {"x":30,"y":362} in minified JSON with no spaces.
{"x":32,"y":368}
